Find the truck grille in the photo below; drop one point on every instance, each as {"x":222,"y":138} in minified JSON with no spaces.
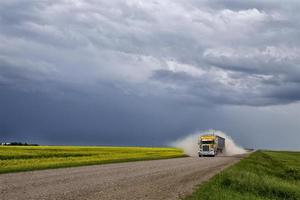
{"x":205,"y":148}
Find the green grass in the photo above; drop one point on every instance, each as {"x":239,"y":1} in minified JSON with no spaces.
{"x":24,"y":158}
{"x":264,"y":175}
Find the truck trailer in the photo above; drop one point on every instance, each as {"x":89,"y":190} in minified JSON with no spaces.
{"x":210,"y":145}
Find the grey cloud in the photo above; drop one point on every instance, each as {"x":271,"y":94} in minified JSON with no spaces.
{"x":81,"y":43}
{"x":192,"y":55}
{"x":171,"y":76}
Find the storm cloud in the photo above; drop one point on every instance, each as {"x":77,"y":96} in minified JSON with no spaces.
{"x":114,"y":70}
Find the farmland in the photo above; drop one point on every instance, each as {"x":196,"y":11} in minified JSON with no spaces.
{"x":25,"y":158}
{"x":263,"y":175}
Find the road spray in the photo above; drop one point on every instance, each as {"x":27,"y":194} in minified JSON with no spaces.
{"x":189,"y":143}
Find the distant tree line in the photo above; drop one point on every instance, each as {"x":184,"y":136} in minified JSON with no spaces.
{"x":17,"y":144}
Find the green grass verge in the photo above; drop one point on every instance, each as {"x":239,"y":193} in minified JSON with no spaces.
{"x":262,"y":175}
{"x":24,"y":158}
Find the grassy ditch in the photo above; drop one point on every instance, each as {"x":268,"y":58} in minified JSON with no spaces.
{"x":24,"y":158}
{"x":262,"y":175}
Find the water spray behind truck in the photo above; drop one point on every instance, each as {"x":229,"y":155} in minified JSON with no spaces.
{"x":190,"y":143}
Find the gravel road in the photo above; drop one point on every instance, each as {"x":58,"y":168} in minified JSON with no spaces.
{"x":159,"y":179}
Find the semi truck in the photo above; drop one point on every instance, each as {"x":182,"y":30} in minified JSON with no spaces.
{"x":210,"y":145}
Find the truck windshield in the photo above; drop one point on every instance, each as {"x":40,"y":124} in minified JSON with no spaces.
{"x":207,"y":142}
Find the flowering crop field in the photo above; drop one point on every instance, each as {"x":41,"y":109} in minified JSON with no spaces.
{"x":25,"y":158}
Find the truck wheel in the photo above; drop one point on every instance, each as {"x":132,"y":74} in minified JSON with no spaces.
{"x":199,"y":155}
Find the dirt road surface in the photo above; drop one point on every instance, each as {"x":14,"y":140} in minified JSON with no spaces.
{"x":159,"y":179}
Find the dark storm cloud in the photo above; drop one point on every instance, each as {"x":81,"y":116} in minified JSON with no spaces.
{"x":196,"y":55}
{"x":74,"y":42}
{"x":113,"y":119}
{"x":212,"y":92}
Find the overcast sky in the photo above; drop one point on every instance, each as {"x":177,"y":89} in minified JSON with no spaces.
{"x":133,"y":72}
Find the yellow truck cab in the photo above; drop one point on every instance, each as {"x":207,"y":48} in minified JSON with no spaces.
{"x":210,"y":145}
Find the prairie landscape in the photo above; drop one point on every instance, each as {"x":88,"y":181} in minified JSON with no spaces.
{"x":158,"y":100}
